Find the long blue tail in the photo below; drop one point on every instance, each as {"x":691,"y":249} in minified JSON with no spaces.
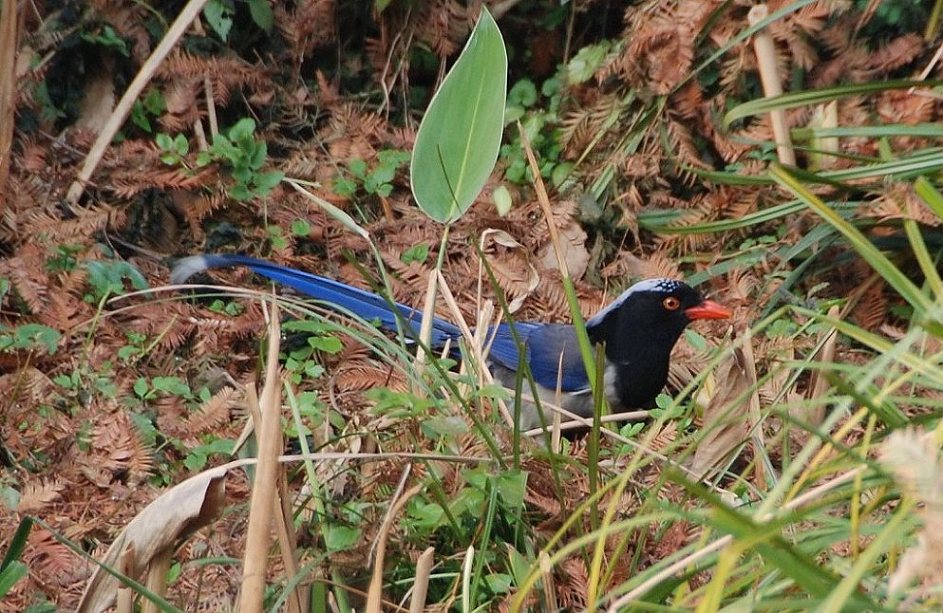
{"x":364,"y":304}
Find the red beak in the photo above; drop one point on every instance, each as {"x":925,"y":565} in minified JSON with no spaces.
{"x":708,"y":310}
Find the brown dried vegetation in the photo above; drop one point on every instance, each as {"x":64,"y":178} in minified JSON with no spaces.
{"x":75,"y":454}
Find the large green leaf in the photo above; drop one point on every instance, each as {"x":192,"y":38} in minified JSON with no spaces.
{"x":459,"y":137}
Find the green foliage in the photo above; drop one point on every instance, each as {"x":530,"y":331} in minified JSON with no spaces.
{"x":107,"y":278}
{"x":460,"y":134}
{"x":376,"y":181}
{"x":174,"y":149}
{"x":539,"y":117}
{"x":11,"y":568}
{"x":31,"y":337}
{"x":245,"y":156}
{"x":301,"y":227}
{"x":416,"y":253}
{"x":198,"y":456}
{"x":65,"y":258}
{"x":219,"y":15}
{"x":304,"y":362}
{"x":587,"y":61}
{"x":106,"y":36}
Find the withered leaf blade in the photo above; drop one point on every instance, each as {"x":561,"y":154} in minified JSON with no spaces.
{"x":728,"y":418}
{"x":175,"y":514}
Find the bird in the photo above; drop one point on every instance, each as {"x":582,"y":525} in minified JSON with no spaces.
{"x":638,"y":330}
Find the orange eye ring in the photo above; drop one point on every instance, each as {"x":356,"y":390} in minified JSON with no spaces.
{"x":671,"y":303}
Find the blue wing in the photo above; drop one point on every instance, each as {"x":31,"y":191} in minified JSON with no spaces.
{"x":364,"y":304}
{"x":543,"y":346}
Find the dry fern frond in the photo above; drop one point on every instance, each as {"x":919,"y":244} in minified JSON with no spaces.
{"x":574,"y":581}
{"x":120,"y":450}
{"x":897,"y":53}
{"x":580,"y":127}
{"x":54,"y":561}
{"x":84,"y":223}
{"x":212,"y":414}
{"x":309,"y":26}
{"x":688,"y":102}
{"x":899,"y":201}
{"x":682,"y":141}
{"x":37,"y":495}
{"x":444,"y":24}
{"x":871,"y":310}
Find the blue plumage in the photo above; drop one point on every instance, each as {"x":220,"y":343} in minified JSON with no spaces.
{"x":638,"y":330}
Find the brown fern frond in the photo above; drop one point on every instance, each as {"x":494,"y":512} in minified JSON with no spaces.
{"x":871,"y":310}
{"x":364,"y":375}
{"x":682,"y":141}
{"x":581,"y":127}
{"x":85,"y":222}
{"x":571,"y":593}
{"x":688,"y":102}
{"x":120,"y":450}
{"x":310,"y":25}
{"x":896,"y":53}
{"x":212,"y":414}
{"x":900,"y":201}
{"x":54,"y":561}
{"x":36,"y":495}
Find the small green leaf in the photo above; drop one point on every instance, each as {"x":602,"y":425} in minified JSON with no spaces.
{"x":175,"y":386}
{"x":586,"y":62}
{"x":498,"y":583}
{"x":502,"y":200}
{"x":444,"y":426}
{"x":523,"y":93}
{"x":327,"y":344}
{"x":265,"y":182}
{"x":416,"y":253}
{"x":339,"y":537}
{"x":219,"y":15}
{"x":261,"y":12}
{"x":164,"y":141}
{"x":344,"y":187}
{"x":358,"y":168}
{"x":300,"y":227}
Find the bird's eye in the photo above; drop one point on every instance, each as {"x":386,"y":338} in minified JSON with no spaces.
{"x":671,"y":303}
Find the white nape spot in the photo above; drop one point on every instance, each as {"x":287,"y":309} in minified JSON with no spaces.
{"x":648,"y":285}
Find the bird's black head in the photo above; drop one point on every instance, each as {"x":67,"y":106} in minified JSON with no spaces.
{"x":647,"y":319}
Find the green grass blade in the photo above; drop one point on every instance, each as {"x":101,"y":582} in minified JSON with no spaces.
{"x":817,"y":96}
{"x":883,"y":266}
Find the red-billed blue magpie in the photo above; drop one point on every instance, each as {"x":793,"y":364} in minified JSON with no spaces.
{"x":638,"y":329}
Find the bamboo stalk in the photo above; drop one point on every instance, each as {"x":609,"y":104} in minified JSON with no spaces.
{"x":772,"y":85}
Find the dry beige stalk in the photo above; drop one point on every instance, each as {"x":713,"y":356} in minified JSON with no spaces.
{"x":8,"y":19}
{"x":772,"y":85}
{"x":261,"y":506}
{"x":417,"y":603}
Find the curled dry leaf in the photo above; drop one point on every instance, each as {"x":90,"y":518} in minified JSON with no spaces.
{"x":174,"y":515}
{"x":730,"y":415}
{"x":573,"y":244}
{"x":511,"y":264}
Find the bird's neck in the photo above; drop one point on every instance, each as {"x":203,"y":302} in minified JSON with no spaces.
{"x":638,"y":363}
